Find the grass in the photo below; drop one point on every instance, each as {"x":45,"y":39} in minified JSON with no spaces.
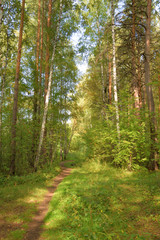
{"x":75,"y":159}
{"x":99,"y":202}
{"x":19,"y":197}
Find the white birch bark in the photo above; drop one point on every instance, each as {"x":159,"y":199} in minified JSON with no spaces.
{"x":115,"y":71}
{"x":48,"y":93}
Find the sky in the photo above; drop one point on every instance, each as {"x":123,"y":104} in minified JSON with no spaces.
{"x":81,"y":64}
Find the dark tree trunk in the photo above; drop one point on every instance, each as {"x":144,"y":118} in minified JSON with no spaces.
{"x":149,"y":94}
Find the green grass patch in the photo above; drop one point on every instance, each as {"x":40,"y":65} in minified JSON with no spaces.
{"x":100,"y":202}
{"x":75,"y":159}
{"x":19,"y":197}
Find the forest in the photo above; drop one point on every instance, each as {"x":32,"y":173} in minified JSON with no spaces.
{"x":80,"y":90}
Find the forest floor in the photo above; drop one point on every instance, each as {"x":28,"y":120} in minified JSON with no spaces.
{"x":96,"y":201}
{"x":35,"y":227}
{"x":19,"y":198}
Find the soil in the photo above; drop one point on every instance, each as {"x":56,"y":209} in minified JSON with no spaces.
{"x":35,"y":227}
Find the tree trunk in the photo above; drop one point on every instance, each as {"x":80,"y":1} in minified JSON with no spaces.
{"x":41,"y":63}
{"x":36,"y":86}
{"x":134,"y":76}
{"x":139,"y":75}
{"x":37,"y":58}
{"x":61,"y":129}
{"x":15,"y":104}
{"x":61,"y":147}
{"x":48,"y":92}
{"x":149,"y":93}
{"x":65,"y":129}
{"x":2,"y":91}
{"x":115,"y":72}
{"x":110,"y":80}
{"x":48,"y":45}
{"x":47,"y":61}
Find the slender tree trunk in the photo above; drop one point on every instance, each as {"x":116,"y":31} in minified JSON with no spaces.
{"x":48,"y":92}
{"x":65,"y":129}
{"x":110,"y":80}
{"x":134,"y":76}
{"x":103,"y":84}
{"x":15,"y":104}
{"x":36,"y":85}
{"x":2,"y":91}
{"x":139,"y":75}
{"x":115,"y":72}
{"x":41,"y":63}
{"x":61,"y":146}
{"x":48,"y":45}
{"x":149,"y":93}
{"x":47,"y":61}
{"x":37,"y":58}
{"x":61,"y":129}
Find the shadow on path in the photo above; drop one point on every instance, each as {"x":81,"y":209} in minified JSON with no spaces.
{"x":34,"y":228}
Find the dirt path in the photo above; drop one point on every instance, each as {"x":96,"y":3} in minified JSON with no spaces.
{"x":34,"y":229}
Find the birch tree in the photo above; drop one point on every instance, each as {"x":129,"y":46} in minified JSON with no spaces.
{"x":41,"y":60}
{"x":47,"y":47}
{"x":115,"y":71}
{"x":36,"y":84}
{"x":48,"y":91}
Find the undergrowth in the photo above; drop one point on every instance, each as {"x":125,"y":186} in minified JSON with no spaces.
{"x":100,"y":202}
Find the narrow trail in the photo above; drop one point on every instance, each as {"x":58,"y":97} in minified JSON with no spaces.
{"x":35,"y":229}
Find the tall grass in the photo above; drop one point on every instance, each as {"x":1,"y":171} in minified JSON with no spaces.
{"x":100,"y":202}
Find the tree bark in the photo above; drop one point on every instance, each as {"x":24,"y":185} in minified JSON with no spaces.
{"x":149,"y":93}
{"x":139,"y":75}
{"x":134,"y":76}
{"x":41,"y":63}
{"x":47,"y":61}
{"x":36,"y":90}
{"x":15,"y":104}
{"x":115,"y":71}
{"x":37,"y":59}
{"x":65,"y":128}
{"x":47,"y":47}
{"x":110,"y":80}
{"x":2,"y":90}
{"x":48,"y":93}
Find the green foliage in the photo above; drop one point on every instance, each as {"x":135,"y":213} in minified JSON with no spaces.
{"x":63,"y":83}
{"x":101,"y":142}
{"x":100,"y":202}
